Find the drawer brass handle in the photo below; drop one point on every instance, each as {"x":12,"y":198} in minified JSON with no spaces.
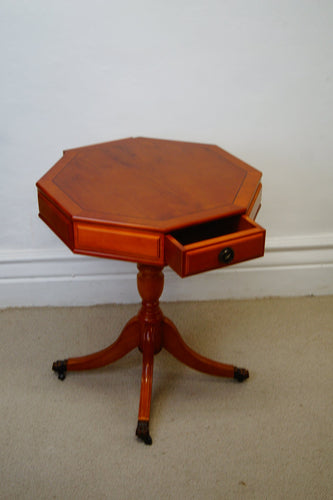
{"x":226,"y":255}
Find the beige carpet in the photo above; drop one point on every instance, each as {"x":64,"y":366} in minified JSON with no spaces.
{"x":268,"y":438}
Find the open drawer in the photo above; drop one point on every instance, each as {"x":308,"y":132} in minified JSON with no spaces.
{"x":215,"y":244}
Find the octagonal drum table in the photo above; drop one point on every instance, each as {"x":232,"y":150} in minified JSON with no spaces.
{"x":154,"y":202}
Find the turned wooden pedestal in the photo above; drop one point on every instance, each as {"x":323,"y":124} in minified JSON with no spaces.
{"x":150,"y":331}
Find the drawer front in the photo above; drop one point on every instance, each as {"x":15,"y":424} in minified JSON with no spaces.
{"x":245,"y":243}
{"x":233,"y":251}
{"x":104,"y":241}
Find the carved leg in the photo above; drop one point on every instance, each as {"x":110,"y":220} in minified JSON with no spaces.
{"x":176,"y":346}
{"x":127,"y":340}
{"x":142,"y":430}
{"x":150,"y":282}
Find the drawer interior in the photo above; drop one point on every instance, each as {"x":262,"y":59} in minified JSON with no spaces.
{"x":211,"y":229}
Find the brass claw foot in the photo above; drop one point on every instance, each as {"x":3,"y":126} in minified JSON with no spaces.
{"x":60,"y":367}
{"x":142,"y":431}
{"x":240,"y":374}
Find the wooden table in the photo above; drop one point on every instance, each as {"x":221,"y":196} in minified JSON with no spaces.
{"x":154,"y":202}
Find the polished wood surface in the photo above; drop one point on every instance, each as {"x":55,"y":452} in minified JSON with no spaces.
{"x":126,"y":199}
{"x":103,"y":240}
{"x":154,"y":202}
{"x":150,"y":183}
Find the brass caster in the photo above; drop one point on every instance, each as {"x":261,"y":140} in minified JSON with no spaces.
{"x":60,"y":367}
{"x":142,"y":431}
{"x":241,"y":374}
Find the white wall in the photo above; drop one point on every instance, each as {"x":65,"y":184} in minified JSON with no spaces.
{"x":254,"y":77}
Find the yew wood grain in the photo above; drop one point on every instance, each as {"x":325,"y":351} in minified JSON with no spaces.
{"x":150,"y":183}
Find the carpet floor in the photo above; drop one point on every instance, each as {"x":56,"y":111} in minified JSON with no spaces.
{"x":270,"y":437}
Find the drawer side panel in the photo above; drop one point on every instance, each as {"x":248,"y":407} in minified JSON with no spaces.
{"x":173,"y":254}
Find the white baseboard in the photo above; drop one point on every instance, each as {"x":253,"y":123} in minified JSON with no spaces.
{"x":292,"y":266}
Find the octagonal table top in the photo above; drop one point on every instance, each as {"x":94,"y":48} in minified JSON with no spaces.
{"x":151,"y":184}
